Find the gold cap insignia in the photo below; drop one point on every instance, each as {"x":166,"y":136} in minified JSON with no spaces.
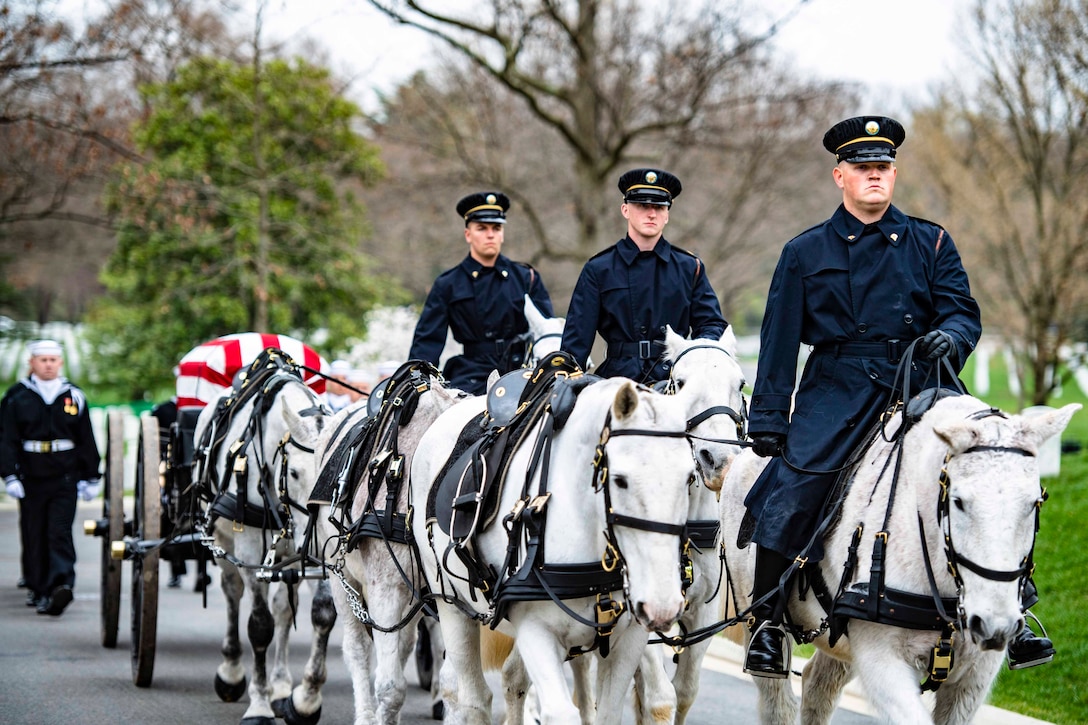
{"x":872,"y":128}
{"x":491,"y":197}
{"x":651,"y":177}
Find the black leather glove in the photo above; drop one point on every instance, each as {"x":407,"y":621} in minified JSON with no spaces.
{"x":768,"y":445}
{"x":936,"y":344}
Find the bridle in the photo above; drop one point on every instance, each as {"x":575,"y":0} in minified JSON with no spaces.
{"x":954,"y":559}
{"x":740,"y":419}
{"x":532,"y":344}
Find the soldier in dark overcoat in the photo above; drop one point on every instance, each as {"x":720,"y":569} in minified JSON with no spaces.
{"x":858,"y":289}
{"x":481,"y":301}
{"x":48,"y":459}
{"x":633,"y":289}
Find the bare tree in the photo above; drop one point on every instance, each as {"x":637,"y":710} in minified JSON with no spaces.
{"x":67,"y":100}
{"x":1010,"y":156}
{"x":747,"y":156}
{"x":606,"y":75}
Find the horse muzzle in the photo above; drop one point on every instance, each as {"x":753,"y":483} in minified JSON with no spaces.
{"x":993,"y":633}
{"x":656,"y":618}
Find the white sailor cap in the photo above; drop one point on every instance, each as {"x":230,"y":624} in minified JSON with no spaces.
{"x":388,"y":367}
{"x":45,"y":347}
{"x":340,"y":367}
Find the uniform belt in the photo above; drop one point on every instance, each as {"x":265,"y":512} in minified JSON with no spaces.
{"x":48,"y":446}
{"x":891,"y":349}
{"x":643,"y":349}
{"x":494,"y":347}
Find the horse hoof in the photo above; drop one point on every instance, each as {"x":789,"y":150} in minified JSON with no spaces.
{"x":228,"y":692}
{"x":258,"y":720}
{"x":285,"y":709}
{"x":438,"y":710}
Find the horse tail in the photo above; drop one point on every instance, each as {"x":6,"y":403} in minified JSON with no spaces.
{"x":495,"y":647}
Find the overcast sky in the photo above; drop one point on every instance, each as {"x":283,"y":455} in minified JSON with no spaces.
{"x":898,"y":48}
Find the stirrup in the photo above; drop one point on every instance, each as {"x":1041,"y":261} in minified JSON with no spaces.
{"x":787,"y":653}
{"x":1042,"y":652}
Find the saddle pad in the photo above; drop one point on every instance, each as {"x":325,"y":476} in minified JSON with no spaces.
{"x":469,"y":436}
{"x":328,"y":480}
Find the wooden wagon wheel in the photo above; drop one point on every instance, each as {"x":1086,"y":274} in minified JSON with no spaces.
{"x":147,"y":521}
{"x":113,"y":512}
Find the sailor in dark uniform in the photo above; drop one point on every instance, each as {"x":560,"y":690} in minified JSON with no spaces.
{"x":48,"y":458}
{"x":632,"y":290}
{"x":481,"y":301}
{"x":858,"y":289}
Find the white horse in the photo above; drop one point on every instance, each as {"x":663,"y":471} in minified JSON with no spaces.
{"x":376,"y":581}
{"x":968,"y":487}
{"x":614,"y":498}
{"x":706,"y":376}
{"x":254,"y":463}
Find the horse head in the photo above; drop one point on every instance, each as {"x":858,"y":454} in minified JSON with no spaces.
{"x":299,"y":424}
{"x":644,"y":477}
{"x":988,"y":502}
{"x":545,"y":333}
{"x":706,"y":375}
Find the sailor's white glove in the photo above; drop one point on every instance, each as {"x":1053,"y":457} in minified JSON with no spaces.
{"x":14,"y":487}
{"x":88,"y":490}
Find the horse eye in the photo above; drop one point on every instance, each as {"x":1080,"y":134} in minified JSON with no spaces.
{"x":958,"y":502}
{"x":620,"y":481}
{"x":678,"y":383}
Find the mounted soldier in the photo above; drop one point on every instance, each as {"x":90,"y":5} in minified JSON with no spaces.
{"x":858,"y":288}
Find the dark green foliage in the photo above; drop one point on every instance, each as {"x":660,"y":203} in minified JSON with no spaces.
{"x":239,"y":219}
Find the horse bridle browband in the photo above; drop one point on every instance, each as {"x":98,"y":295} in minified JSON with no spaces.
{"x":739,"y":419}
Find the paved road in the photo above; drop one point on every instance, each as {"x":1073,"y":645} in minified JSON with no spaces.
{"x":53,"y":670}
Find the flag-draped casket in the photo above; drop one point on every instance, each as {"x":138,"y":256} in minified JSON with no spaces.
{"x":208,"y":369}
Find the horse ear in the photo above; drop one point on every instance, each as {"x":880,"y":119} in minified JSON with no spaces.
{"x":729,"y":340}
{"x":673,"y":343}
{"x":958,"y":434}
{"x":532,"y":315}
{"x":626,"y":402}
{"x":300,"y":431}
{"x":1050,"y":424}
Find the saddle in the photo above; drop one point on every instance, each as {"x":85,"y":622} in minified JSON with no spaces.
{"x":370,"y":450}
{"x":465,"y":495}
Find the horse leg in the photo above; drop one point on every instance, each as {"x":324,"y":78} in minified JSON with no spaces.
{"x":958,"y":701}
{"x":543,"y":659}
{"x":358,"y":655}
{"x":279,"y":678}
{"x":438,"y":655}
{"x":303,"y":707}
{"x":391,"y":653}
{"x":465,"y":692}
{"x":655,"y":697}
{"x":821,"y":686}
{"x":777,"y":703}
{"x":615,"y":672}
{"x":890,"y":683}
{"x":261,"y":628}
{"x":582,"y":669}
{"x":230,"y":676}
{"x":515,"y":681}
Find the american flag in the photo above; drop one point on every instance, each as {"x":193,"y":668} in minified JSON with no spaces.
{"x":208,"y":369}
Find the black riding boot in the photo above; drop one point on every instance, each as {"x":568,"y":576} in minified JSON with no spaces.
{"x":769,"y":651}
{"x":1028,"y":649}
